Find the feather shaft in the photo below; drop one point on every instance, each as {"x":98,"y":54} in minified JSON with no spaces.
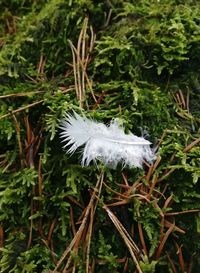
{"x":127,"y":142}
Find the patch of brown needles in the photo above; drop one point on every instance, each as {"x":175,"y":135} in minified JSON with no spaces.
{"x":83,"y":235}
{"x":149,"y":192}
{"x":81,"y":59}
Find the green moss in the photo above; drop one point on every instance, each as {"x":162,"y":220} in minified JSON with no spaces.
{"x":144,"y":70}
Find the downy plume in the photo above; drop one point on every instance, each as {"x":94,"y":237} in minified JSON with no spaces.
{"x":106,"y":143}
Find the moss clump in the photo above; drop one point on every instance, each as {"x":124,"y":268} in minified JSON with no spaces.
{"x":137,"y":61}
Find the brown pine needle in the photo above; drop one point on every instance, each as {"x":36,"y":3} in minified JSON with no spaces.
{"x":163,"y":240}
{"x":133,"y":249}
{"x":21,"y":109}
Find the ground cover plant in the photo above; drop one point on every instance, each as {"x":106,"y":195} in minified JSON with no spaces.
{"x":137,"y":61}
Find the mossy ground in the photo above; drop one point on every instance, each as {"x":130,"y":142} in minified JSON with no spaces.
{"x":137,"y":61}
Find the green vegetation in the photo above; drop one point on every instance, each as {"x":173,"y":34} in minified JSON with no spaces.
{"x":135,"y":60}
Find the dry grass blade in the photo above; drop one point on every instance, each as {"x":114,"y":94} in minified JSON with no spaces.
{"x":133,"y":249}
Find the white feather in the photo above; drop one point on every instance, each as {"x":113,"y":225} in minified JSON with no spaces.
{"x":106,"y":143}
